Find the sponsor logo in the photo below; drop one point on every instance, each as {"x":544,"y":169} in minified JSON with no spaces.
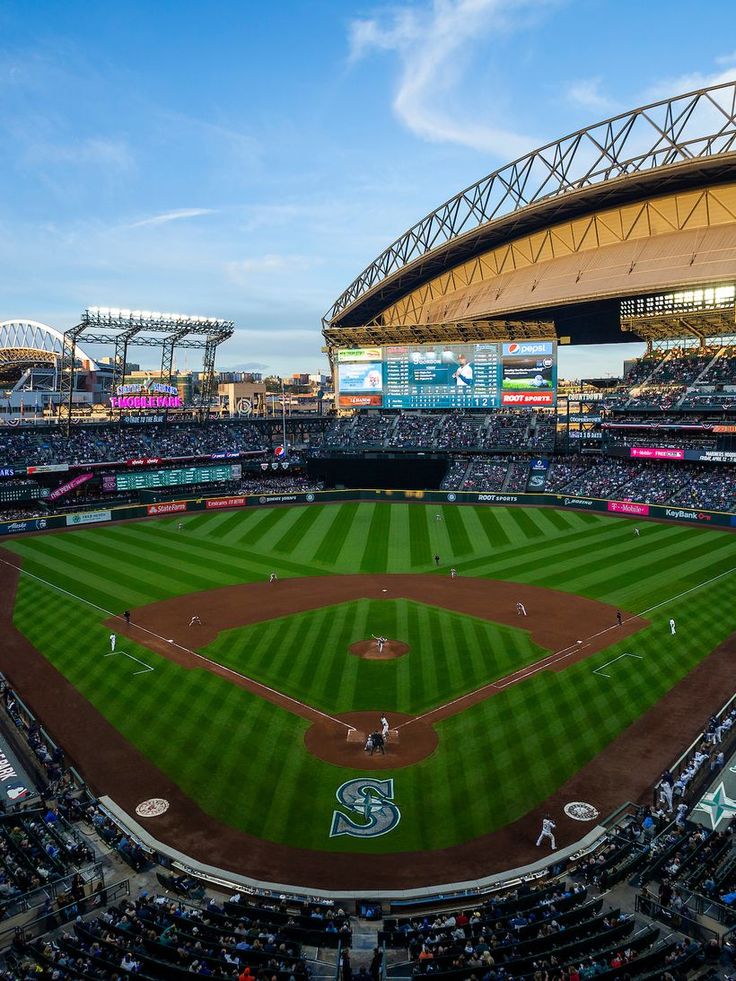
{"x":153,"y":807}
{"x":279,"y":451}
{"x":37,"y":524}
{"x":310,"y":498}
{"x":578,"y":810}
{"x":577,"y":502}
{"x":69,"y":486}
{"x":145,"y":402}
{"x":49,"y":468}
{"x":679,"y":515}
{"x":276,"y":498}
{"x":358,"y":400}
{"x":88,"y":517}
{"x":225,"y":502}
{"x":40,"y":524}
{"x":527,"y":398}
{"x":525,"y":348}
{"x":657,"y":453}
{"x":144,"y":461}
{"x":372,"y":802}
{"x":244,"y":407}
{"x":14,"y":789}
{"x":502,"y":498}
{"x":628,"y":507}
{"x":452,"y":498}
{"x":170,"y":507}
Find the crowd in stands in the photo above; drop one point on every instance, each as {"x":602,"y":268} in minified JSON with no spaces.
{"x":99,"y":444}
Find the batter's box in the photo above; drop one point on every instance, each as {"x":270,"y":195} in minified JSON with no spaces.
{"x":356,"y":736}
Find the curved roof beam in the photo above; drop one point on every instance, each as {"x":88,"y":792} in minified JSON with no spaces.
{"x":33,"y":335}
{"x":687,"y":127}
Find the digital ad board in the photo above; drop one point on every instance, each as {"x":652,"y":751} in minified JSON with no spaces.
{"x":485,"y":375}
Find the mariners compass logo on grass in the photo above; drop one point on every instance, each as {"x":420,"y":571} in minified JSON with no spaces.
{"x":372,"y":802}
{"x":578,"y":810}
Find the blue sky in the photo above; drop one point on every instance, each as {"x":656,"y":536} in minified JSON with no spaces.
{"x":248,"y":160}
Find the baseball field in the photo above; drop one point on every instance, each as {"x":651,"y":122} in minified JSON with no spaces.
{"x":253,"y":718}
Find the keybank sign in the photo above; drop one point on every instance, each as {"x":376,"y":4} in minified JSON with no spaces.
{"x":525,"y":349}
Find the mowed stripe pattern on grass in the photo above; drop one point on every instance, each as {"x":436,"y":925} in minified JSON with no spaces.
{"x":228,"y":749}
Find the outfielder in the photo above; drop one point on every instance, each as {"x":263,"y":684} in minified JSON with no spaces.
{"x":113,"y":642}
{"x":637,"y":533}
{"x":673,"y":627}
{"x":520,"y":610}
{"x":548,"y":831}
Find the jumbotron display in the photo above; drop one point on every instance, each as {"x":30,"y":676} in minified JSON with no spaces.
{"x":486,"y":375}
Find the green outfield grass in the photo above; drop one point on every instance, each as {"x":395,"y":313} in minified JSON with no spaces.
{"x":243,"y":759}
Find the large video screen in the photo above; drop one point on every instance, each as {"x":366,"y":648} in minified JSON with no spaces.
{"x":487,"y":375}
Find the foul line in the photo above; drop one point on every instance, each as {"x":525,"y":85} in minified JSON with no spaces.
{"x":523,"y":673}
{"x":207,"y":660}
{"x":146,"y":667}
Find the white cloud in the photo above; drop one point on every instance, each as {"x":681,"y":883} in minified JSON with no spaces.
{"x":691,"y":81}
{"x":434,"y":45}
{"x":96,"y":151}
{"x":168,"y":216}
{"x":267,"y":265}
{"x":586,"y":92}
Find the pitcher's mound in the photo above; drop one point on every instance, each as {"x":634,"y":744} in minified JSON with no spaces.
{"x":369,"y":650}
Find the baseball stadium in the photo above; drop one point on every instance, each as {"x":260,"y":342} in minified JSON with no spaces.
{"x":452,"y":661}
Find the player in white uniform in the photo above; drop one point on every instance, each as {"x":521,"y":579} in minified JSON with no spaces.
{"x":453,"y":573}
{"x":548,"y":831}
{"x":179,"y":525}
{"x":195,"y":619}
{"x":384,"y":727}
{"x":637,"y":533}
{"x":520,"y":610}
{"x":273,"y":577}
{"x":673,"y":627}
{"x":113,"y":642}
{"x":380,"y":643}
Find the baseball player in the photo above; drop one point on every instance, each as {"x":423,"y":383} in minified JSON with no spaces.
{"x":384,"y":727}
{"x":453,"y":573}
{"x":520,"y":610}
{"x":195,"y":620}
{"x":113,"y":642}
{"x":673,"y":627}
{"x":179,"y":525}
{"x":438,"y":517}
{"x":619,"y":618}
{"x":380,"y":642}
{"x":369,"y":744}
{"x":126,"y":615}
{"x":548,"y":831}
{"x":637,"y":533}
{"x":436,"y":559}
{"x":273,"y":577}
{"x":377,"y":743}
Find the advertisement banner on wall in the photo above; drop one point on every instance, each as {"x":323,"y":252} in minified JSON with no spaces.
{"x":215,"y":503}
{"x":16,"y":786}
{"x":537,"y":479}
{"x":656,"y":453}
{"x":168,"y":507}
{"x":69,"y":486}
{"x":88,"y":517}
{"x":628,"y":507}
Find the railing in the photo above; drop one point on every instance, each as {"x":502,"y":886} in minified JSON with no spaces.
{"x":46,"y":922}
{"x":650,"y":906}
{"x":94,"y":877}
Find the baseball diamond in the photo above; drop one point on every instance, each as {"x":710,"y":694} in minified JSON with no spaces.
{"x":491,"y":718}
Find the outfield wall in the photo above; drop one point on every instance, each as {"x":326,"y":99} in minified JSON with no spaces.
{"x":632,"y":509}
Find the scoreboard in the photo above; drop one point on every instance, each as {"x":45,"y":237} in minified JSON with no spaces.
{"x":486,"y":375}
{"x":180,"y":476}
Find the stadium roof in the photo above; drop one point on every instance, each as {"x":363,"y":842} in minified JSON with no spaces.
{"x":684,"y":142}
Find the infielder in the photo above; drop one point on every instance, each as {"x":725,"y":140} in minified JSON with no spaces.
{"x":673,"y":627}
{"x":113,"y":642}
{"x":195,"y":619}
{"x":548,"y":831}
{"x":273,"y":577}
{"x":380,"y":643}
{"x":520,"y":610}
{"x":453,"y":573}
{"x":619,"y":618}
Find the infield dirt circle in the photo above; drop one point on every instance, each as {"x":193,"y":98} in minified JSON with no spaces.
{"x":371,"y":651}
